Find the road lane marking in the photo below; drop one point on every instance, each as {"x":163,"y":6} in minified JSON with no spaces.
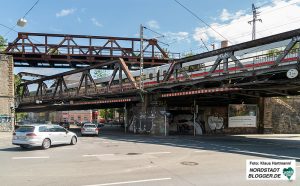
{"x":96,"y":155}
{"x":264,"y":154}
{"x":150,"y":153}
{"x":128,"y":182}
{"x":41,"y":157}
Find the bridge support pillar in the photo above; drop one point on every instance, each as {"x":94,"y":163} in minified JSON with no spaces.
{"x":6,"y":93}
{"x":265,"y":106}
{"x":149,"y":118}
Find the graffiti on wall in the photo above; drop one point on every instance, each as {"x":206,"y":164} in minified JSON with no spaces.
{"x":5,"y":119}
{"x":215,"y":122}
{"x":142,"y":122}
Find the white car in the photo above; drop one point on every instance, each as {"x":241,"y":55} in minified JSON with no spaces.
{"x":89,"y":128}
{"x":42,"y":135}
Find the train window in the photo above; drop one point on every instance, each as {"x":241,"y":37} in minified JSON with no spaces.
{"x":164,"y":73}
{"x":196,"y":67}
{"x":193,"y":68}
{"x":150,"y":76}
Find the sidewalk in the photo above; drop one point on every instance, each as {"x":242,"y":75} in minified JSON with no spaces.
{"x":295,"y":137}
{"x":4,"y":135}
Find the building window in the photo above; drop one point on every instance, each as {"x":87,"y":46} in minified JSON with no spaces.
{"x":79,"y":118}
{"x":85,"y":118}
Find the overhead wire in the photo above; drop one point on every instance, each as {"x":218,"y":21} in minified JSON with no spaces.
{"x":22,"y":17}
{"x":240,"y":20}
{"x":195,"y":15}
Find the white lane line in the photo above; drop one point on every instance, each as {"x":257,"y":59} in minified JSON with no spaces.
{"x":157,"y":153}
{"x":96,"y":155}
{"x":265,"y":154}
{"x":128,"y":182}
{"x":41,"y":157}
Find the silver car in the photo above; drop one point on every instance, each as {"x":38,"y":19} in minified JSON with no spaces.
{"x":43,"y":136}
{"x":89,"y":128}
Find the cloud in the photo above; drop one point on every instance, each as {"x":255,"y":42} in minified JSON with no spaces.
{"x":153,"y":24}
{"x":277,"y":17}
{"x":226,"y":16}
{"x":79,"y":19}
{"x":173,"y":37}
{"x":65,"y":12}
{"x":96,"y":22}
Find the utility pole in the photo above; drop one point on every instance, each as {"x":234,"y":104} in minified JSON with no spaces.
{"x":142,"y":58}
{"x":253,"y":21}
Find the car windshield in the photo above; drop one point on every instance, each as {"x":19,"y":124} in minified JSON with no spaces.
{"x":89,"y":126}
{"x":25,"y":129}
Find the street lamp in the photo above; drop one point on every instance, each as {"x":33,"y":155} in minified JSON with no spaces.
{"x":22,"y":22}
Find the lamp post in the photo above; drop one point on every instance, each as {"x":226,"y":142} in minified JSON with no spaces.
{"x":142,"y":57}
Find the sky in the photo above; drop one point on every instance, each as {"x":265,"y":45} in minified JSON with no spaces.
{"x":182,"y":30}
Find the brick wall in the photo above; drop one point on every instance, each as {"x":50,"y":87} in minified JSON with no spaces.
{"x":6,"y":93}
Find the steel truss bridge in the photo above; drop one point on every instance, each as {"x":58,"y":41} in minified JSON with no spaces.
{"x":77,"y":51}
{"x":252,"y":69}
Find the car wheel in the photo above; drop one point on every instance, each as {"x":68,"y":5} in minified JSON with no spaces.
{"x":46,"y":143}
{"x":24,"y":146}
{"x":73,"y":140}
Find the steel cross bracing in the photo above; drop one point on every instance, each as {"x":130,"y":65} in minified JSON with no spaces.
{"x":224,"y":54}
{"x":86,"y":88}
{"x":246,"y":69}
{"x":75,"y":51}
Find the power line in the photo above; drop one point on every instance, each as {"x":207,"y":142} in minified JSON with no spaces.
{"x":161,"y":35}
{"x":10,"y":28}
{"x":200,"y":19}
{"x":240,"y":20}
{"x":23,"y":17}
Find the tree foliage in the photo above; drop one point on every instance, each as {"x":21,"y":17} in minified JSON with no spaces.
{"x":3,"y":43}
{"x":100,"y":73}
{"x":17,"y":83}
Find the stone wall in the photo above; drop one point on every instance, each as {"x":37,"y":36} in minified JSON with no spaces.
{"x":284,"y":114}
{"x":222,"y":113}
{"x":6,"y":93}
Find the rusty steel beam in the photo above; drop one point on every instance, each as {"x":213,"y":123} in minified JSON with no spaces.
{"x":36,"y":49}
{"x":70,"y":72}
{"x":254,"y":43}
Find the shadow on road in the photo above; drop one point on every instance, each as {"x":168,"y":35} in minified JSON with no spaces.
{"x":267,"y":148}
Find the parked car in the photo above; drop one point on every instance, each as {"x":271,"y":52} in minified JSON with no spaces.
{"x":79,"y":124}
{"x":65,"y":125}
{"x":43,"y":135}
{"x":89,"y":128}
{"x":100,"y":125}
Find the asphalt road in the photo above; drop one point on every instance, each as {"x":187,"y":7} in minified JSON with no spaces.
{"x":113,"y":158}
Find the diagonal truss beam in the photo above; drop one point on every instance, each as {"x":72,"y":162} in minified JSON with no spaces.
{"x":287,"y":49}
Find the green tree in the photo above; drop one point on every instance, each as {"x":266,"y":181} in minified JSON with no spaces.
{"x":100,"y":73}
{"x":3,"y":43}
{"x":272,"y":52}
{"x":21,"y":115}
{"x":107,"y":113}
{"x":17,"y":83}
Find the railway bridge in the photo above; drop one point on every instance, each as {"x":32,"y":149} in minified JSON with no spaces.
{"x":216,"y":88}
